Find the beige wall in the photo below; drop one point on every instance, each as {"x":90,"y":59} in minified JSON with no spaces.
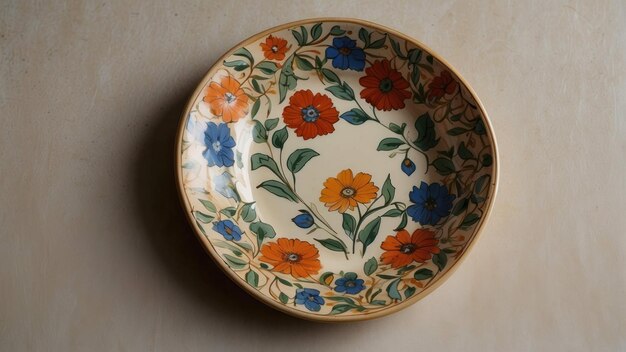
{"x":95,"y":254}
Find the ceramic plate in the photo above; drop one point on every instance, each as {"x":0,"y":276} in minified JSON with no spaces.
{"x":335,"y":169}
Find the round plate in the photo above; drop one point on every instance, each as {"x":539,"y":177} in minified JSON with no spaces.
{"x":335,"y":169}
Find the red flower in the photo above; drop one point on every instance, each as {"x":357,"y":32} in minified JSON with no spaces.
{"x":385,"y":88}
{"x":442,"y":85}
{"x":310,"y":115}
{"x":274,"y":48}
{"x":402,"y":249}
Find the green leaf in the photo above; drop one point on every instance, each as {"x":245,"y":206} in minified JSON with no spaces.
{"x":280,"y":137}
{"x":259,"y":134}
{"x":389,"y":191}
{"x":267,"y":67}
{"x":486,"y":160}
{"x":305,"y":35}
{"x":330,"y":76}
{"x":457,"y":131}
{"x":397,"y":129}
{"x":386,"y":277}
{"x":303,"y":64}
{"x":286,"y":80}
{"x":256,"y":86}
{"x":316,"y":31}
{"x":479,"y":128}
{"x":252,"y":278}
{"x":426,"y":134}
{"x":202,"y":217}
{"x":298,"y":37}
{"x":444,"y":166}
{"x":270,"y":124}
{"x":283,"y":281}
{"x":402,"y":223}
{"x":390,"y":144}
{"x":341,"y":308}
{"x":409,"y":291}
{"x":414,"y":56}
{"x":460,"y":206}
{"x":283,"y":298}
{"x":262,"y":231}
{"x":370,"y":266}
{"x":379,"y":302}
{"x":230,"y":211}
{"x":377,"y":44}
{"x":392,"y":213}
{"x":347,"y":300}
{"x":480,"y":183}
{"x":369,"y":233}
{"x":465,"y":153}
{"x":208,"y":205}
{"x":341,"y":92}
{"x":235,"y":262}
{"x":392,"y":290}
{"x":332,"y":244}
{"x":279,"y":189}
{"x":298,"y":159}
{"x":238,"y":65}
{"x":355,"y":116}
{"x":396,"y":48}
{"x":470,"y":220}
{"x":423,"y":274}
{"x":258,"y":160}
{"x":440,"y":259}
{"x":429,"y":58}
{"x":255,"y":110}
{"x":349,"y":224}
{"x":336,"y":30}
{"x":364,"y":36}
{"x":244,"y":53}
{"x":248,"y":213}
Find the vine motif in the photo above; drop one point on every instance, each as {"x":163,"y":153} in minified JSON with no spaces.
{"x":289,"y":270}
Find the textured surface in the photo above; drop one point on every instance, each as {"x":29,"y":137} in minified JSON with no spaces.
{"x":96,"y":255}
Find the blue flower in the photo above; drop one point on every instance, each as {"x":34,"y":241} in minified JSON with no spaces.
{"x":310,"y":298}
{"x":228,"y":229}
{"x":304,"y":220}
{"x":223,"y":184}
{"x":408,"y":166}
{"x":432,"y":202}
{"x":349,"y":284}
{"x":346,"y":55}
{"x":219,"y":145}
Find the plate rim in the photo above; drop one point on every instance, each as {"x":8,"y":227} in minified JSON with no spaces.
{"x":258,"y":295}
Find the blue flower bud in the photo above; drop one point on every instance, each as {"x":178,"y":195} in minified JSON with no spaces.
{"x":408,"y":166}
{"x":304,"y":220}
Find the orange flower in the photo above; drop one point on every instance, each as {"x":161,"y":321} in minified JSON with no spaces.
{"x":384,"y":87}
{"x":310,"y":115}
{"x":227,"y":99}
{"x":346,"y":191}
{"x":274,"y":48}
{"x":292,"y":256}
{"x":403,"y":248}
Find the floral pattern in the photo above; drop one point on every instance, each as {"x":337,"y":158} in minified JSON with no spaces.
{"x":219,"y":145}
{"x":384,"y":87}
{"x":265,"y":111}
{"x":402,"y":249}
{"x":227,"y":99}
{"x":274,"y":48}
{"x":311,"y":115}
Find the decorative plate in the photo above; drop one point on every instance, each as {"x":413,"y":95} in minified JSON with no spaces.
{"x":335,"y":169}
